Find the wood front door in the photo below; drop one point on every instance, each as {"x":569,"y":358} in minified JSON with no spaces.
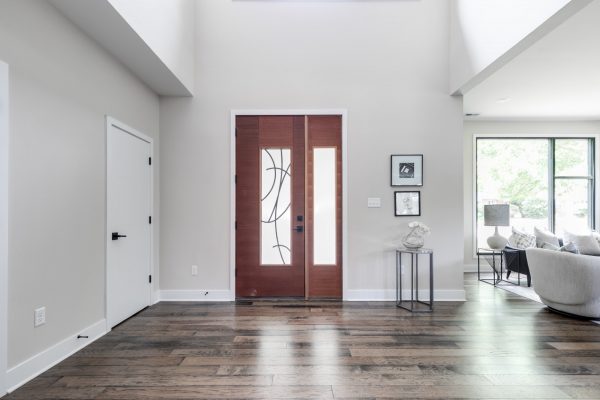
{"x":288,"y":206}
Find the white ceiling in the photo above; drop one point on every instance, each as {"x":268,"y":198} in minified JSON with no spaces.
{"x":556,"y":78}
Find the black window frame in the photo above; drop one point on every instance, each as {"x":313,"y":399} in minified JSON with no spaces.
{"x":552,"y":177}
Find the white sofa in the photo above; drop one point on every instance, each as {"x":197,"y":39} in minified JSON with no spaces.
{"x":566,"y":282}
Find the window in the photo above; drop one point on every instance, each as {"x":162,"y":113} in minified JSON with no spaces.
{"x":548,"y":182}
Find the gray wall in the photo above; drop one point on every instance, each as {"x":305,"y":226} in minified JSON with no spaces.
{"x":385,"y":62}
{"x":61,"y":86}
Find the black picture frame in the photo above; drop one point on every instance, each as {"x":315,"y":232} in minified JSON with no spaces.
{"x":405,"y":201}
{"x":406,"y":170}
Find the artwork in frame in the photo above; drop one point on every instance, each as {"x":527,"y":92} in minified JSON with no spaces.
{"x":407,"y":170}
{"x":407,"y":204}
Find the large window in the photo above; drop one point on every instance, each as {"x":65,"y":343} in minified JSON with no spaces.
{"x":548,"y":182}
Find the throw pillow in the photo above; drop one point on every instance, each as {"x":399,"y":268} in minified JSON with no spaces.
{"x":549,"y":246}
{"x":570,"y":248}
{"x":521,"y":240}
{"x":596,"y":236}
{"x":586,"y":243}
{"x":543,"y":236}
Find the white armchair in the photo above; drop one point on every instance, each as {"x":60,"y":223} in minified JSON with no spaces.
{"x":566,"y":282}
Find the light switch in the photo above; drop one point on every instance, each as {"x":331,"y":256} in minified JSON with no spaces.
{"x":374,"y":202}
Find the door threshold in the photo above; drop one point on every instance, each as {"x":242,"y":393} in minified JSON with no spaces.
{"x":271,"y":299}
{"x":284,"y":301}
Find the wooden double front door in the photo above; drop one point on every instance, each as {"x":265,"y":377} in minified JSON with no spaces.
{"x":289,"y":206}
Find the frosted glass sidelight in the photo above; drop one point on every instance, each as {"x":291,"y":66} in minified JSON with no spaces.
{"x":324,"y":176}
{"x":275,"y":202}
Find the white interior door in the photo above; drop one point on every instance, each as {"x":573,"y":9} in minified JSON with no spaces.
{"x":128,"y":255}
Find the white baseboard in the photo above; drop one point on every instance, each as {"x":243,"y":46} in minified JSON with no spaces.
{"x":155,"y":297}
{"x":196,"y":295}
{"x":41,"y":362}
{"x":351,"y":295}
{"x":470,"y":268}
{"x":390,"y":295}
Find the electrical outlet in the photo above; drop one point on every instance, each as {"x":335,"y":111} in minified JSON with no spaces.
{"x":39,"y":316}
{"x":194,"y":270}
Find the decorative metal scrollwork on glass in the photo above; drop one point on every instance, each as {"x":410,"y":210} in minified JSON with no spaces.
{"x":276,"y":184}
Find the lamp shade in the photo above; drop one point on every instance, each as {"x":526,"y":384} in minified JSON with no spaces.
{"x":496,"y":215}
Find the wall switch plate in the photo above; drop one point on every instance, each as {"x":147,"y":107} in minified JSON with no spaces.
{"x":39,"y":316}
{"x":194,"y":270}
{"x":374,"y":202}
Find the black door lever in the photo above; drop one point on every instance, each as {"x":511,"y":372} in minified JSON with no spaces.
{"x":116,"y":236}
{"x":299,"y":228}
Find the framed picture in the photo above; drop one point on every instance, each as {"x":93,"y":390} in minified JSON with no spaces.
{"x":407,"y":170}
{"x":407,"y":204}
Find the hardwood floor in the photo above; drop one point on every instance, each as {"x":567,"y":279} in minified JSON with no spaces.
{"x":494,"y":346}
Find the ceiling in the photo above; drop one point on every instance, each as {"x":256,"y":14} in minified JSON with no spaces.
{"x":556,"y":78}
{"x":102,"y":22}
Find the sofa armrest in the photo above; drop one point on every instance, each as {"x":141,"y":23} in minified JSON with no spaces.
{"x":563,"y":277}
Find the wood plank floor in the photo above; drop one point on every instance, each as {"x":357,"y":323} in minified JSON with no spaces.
{"x":494,"y":346}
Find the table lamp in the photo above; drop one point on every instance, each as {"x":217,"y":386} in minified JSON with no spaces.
{"x":496,"y":215}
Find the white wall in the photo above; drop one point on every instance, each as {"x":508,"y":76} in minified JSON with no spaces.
{"x":3,"y":220}
{"x":62,"y":85}
{"x":385,"y":62}
{"x":482,"y":31}
{"x":168,"y":28}
{"x":522,"y":128}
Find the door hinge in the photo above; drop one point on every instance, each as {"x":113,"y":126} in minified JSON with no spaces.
{"x":149,"y":278}
{"x":150,"y":219}
{"x":236,"y":225}
{"x":235,"y":179}
{"x":236,"y":132}
{"x":149,"y":160}
{"x":236,"y":272}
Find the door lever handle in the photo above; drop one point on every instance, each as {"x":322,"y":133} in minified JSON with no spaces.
{"x":116,"y":236}
{"x":299,"y":228}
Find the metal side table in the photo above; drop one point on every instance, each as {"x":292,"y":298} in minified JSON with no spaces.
{"x":496,"y":273}
{"x":414,"y":304}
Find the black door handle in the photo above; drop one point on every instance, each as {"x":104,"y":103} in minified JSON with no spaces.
{"x":299,"y":228}
{"x":116,"y":236}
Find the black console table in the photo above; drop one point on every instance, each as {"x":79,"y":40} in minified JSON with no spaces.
{"x":414,"y":304}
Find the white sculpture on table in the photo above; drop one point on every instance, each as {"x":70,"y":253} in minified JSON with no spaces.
{"x":415,"y":238}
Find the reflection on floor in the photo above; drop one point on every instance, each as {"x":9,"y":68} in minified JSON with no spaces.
{"x":515,"y":286}
{"x":496,"y":345}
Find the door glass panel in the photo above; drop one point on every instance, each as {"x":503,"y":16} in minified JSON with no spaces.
{"x":276,"y":224}
{"x":324,"y":206}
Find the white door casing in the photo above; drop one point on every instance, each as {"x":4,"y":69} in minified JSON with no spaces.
{"x":129,"y":205}
{"x":3,"y":226}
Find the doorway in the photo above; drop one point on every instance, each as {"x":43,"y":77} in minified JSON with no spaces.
{"x":128,"y":233}
{"x":288,"y":216}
